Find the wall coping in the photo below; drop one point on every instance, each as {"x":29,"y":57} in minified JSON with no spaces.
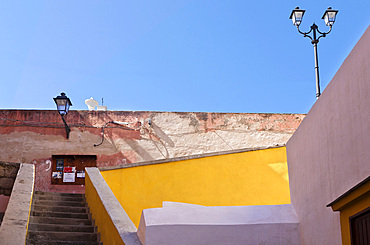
{"x":13,"y":229}
{"x":125,"y":227}
{"x":197,"y":156}
{"x":113,"y":111}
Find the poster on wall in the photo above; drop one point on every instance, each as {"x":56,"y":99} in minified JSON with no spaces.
{"x":80,"y":174}
{"x":60,"y":164}
{"x":69,"y":177}
{"x":68,"y":170}
{"x":57,"y":175}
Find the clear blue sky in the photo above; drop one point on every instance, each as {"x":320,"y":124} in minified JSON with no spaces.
{"x":168,"y":55}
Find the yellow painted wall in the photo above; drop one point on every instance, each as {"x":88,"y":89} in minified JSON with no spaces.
{"x":106,"y":228}
{"x":249,"y":178}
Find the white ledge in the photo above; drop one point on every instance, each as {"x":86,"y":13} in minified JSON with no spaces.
{"x":192,"y":224}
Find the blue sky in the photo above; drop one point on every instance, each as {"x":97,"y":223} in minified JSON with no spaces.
{"x":167,"y":55}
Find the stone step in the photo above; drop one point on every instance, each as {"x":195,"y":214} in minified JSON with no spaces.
{"x":61,"y":218}
{"x":59,"y":198}
{"x":62,"y":221}
{"x":61,"y":228}
{"x":62,"y":209}
{"x":60,"y":203}
{"x":61,"y":215}
{"x":36,"y":242}
{"x":63,"y":236}
{"x":44,"y":193}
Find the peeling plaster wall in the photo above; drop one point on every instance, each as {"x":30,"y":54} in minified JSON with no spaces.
{"x":33,"y":136}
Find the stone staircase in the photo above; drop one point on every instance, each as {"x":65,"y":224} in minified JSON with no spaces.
{"x":61,"y":218}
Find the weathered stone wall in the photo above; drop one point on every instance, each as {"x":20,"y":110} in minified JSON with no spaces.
{"x":8,"y":173}
{"x":33,"y":136}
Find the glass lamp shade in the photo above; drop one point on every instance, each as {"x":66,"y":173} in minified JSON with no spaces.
{"x":296,"y":16}
{"x":329,"y":16}
{"x":63,"y":103}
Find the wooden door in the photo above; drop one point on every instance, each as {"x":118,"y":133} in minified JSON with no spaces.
{"x":360,"y":228}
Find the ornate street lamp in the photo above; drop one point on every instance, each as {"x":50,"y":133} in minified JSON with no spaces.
{"x":63,"y":103}
{"x":329,"y":16}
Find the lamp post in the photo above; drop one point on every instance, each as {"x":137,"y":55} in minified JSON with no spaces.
{"x":63,"y":103}
{"x":329,"y":17}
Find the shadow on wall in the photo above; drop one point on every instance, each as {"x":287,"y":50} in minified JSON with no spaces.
{"x":154,"y":134}
{"x":162,"y":135}
{"x":159,"y":139}
{"x":139,"y":150}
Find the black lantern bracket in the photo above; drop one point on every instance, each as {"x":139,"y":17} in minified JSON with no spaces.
{"x":63,"y":103}
{"x":68,"y":129}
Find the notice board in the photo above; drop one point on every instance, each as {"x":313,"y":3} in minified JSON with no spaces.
{"x":70,"y":169}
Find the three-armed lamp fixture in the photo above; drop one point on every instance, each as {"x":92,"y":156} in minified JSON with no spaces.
{"x":329,"y":16}
{"x":63,"y":103}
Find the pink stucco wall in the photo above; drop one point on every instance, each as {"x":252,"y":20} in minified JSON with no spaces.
{"x":329,"y":153}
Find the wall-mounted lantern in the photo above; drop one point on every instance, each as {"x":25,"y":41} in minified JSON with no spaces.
{"x":63,"y":103}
